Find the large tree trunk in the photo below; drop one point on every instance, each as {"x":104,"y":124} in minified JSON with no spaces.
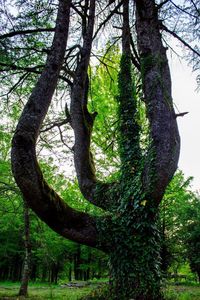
{"x":135,"y":251}
{"x":135,"y":262}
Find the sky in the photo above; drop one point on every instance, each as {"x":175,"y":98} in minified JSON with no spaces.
{"x":187,"y":100}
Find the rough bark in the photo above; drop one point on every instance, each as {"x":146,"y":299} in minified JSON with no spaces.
{"x":68,"y":222}
{"x":165,"y":141}
{"x":134,"y":259}
{"x":82,"y":123}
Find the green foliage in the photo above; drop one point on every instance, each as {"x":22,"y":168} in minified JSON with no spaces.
{"x":50,"y":252}
{"x":131,"y":228}
{"x":192,"y":233}
{"x":179,"y":209}
{"x":101,"y":293}
{"x":43,"y":292}
{"x":129,"y":137}
{"x":182,"y":292}
{"x":104,"y":86}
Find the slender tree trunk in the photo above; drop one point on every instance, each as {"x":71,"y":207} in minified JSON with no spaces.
{"x":26,"y":267}
{"x":70,"y":273}
{"x":77,"y":262}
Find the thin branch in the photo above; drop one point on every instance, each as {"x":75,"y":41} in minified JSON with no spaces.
{"x":108,"y":18}
{"x":159,"y":6}
{"x":15,"y":85}
{"x":196,"y":8}
{"x":62,"y":139}
{"x":183,"y":10}
{"x":181,"y":114}
{"x":76,"y":10}
{"x":15,"y":67}
{"x":31,"y":70}
{"x":56,"y":124}
{"x":11,"y":188}
{"x":28,"y":31}
{"x":180,"y":39}
{"x":105,"y":64}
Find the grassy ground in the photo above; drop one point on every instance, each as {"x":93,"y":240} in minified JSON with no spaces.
{"x":183,"y":292}
{"x":8,"y":291}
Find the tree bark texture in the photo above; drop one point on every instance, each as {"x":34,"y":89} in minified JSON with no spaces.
{"x":74,"y":225}
{"x":164,"y":154}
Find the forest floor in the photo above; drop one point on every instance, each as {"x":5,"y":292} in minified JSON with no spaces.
{"x":8,"y":291}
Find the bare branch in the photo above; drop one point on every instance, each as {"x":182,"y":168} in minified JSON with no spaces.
{"x":162,"y":26}
{"x":27,"y":31}
{"x":108,"y":18}
{"x":183,"y":10}
{"x":159,"y":6}
{"x":196,"y":8}
{"x":8,"y":67}
{"x":15,"y":67}
{"x":56,"y":124}
{"x":181,"y":114}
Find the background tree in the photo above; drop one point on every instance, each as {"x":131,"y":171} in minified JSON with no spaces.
{"x":173,"y":219}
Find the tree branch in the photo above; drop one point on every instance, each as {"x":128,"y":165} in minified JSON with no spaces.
{"x":181,"y":114}
{"x":55,"y":124}
{"x":48,"y":205}
{"x":27,"y":31}
{"x":162,"y":26}
{"x":159,"y":6}
{"x":82,"y":123}
{"x":181,"y":9}
{"x":31,"y":70}
{"x":108,"y":18}
{"x":162,"y":158}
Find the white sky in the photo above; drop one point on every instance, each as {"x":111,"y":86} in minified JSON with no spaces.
{"x":187,"y":99}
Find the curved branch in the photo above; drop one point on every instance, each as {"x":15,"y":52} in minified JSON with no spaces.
{"x":165,"y":145}
{"x":77,"y":226}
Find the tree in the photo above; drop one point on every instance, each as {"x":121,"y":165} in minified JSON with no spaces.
{"x":23,"y":291}
{"x":174,"y":218}
{"x":191,"y":232}
{"x":127,"y":229}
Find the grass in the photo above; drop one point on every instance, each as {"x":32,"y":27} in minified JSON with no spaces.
{"x":8,"y":291}
{"x":182,"y":292}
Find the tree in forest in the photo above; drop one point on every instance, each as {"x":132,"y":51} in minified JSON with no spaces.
{"x":127,"y":227}
{"x":23,"y":291}
{"x":173,"y":222}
